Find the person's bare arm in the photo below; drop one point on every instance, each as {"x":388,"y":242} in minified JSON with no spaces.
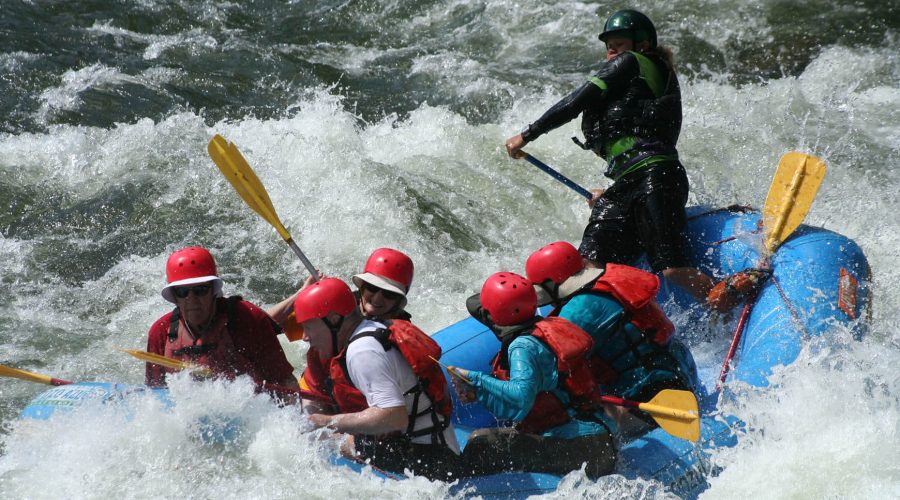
{"x":371,"y":421}
{"x":280,"y":311}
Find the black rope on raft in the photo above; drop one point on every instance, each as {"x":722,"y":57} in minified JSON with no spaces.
{"x":729,"y":208}
{"x":377,"y":469}
{"x":794,"y":314}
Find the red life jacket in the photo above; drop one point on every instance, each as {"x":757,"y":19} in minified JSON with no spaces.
{"x":417,"y":349}
{"x":636,"y":290}
{"x":571,"y":345}
{"x":215,"y":348}
{"x":315,"y":377}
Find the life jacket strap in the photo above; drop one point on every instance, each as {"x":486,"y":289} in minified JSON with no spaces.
{"x":195,"y":351}
{"x":439,"y":422}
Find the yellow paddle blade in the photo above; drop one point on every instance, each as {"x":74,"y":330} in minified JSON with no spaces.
{"x":7,"y":371}
{"x":175,"y":364}
{"x":235,"y":168}
{"x":676,"y":412}
{"x":793,"y":189}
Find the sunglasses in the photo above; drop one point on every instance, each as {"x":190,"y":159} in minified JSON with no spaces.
{"x":199,"y":291}
{"x":384,"y":293}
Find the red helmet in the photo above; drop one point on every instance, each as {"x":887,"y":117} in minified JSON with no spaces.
{"x":387,"y":269}
{"x":509,"y":298}
{"x":322,"y":298}
{"x":188,"y":266}
{"x":555,"y":262}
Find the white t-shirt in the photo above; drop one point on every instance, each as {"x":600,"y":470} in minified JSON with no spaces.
{"x":383,"y":376}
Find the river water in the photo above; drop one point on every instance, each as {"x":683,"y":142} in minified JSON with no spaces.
{"x":381,"y":123}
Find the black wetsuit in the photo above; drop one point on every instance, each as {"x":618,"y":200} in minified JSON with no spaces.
{"x":631,"y":117}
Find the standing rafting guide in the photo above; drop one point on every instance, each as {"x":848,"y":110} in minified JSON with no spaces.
{"x":631,"y":118}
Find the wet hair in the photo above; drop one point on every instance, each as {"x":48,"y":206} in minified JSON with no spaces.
{"x":666,"y":53}
{"x":663,"y":51}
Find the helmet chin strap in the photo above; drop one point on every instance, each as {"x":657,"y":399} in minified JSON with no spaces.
{"x":205,"y":326}
{"x":334,"y":328}
{"x":395,"y":308}
{"x":552,"y":289}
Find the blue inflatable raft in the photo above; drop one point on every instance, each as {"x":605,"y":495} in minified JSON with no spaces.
{"x":820,"y":286}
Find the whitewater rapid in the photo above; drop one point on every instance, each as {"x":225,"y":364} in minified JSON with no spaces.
{"x":95,"y":205}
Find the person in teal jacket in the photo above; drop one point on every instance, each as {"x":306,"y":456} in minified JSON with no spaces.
{"x":557,"y":428}
{"x":635,"y":355}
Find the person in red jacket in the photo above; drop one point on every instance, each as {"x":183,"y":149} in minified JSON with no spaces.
{"x":229,"y":335}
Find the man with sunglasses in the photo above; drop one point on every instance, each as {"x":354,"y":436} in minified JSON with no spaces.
{"x":381,"y":291}
{"x":229,"y":335}
{"x":383,"y":285}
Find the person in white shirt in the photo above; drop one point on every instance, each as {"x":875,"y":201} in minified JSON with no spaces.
{"x":398,"y":417}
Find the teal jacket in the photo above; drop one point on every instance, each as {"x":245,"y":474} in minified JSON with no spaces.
{"x":638,"y":362}
{"x":532,"y":369}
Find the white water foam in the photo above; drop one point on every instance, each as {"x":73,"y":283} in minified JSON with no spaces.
{"x":828,"y":428}
{"x":195,"y":39}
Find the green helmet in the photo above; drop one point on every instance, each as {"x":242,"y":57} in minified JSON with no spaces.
{"x":630,"y":24}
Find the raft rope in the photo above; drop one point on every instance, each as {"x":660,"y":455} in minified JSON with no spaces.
{"x":377,"y":469}
{"x":794,"y":314}
{"x":729,"y":208}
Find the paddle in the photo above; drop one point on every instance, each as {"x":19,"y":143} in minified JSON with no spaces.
{"x":7,"y":371}
{"x":177,"y":364}
{"x":452,"y":370}
{"x":235,"y":168}
{"x":556,"y":175}
{"x":675,"y":411}
{"x":791,"y":194}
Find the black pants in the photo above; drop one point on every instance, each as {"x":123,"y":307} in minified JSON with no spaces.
{"x":640,"y":213}
{"x":434,"y":461}
{"x":495,"y":450}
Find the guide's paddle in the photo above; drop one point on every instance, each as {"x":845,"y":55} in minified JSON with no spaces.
{"x":235,"y":168}
{"x":7,"y":371}
{"x":793,"y":189}
{"x":675,"y":411}
{"x":177,"y":364}
{"x":791,"y":194}
{"x":556,"y":175}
